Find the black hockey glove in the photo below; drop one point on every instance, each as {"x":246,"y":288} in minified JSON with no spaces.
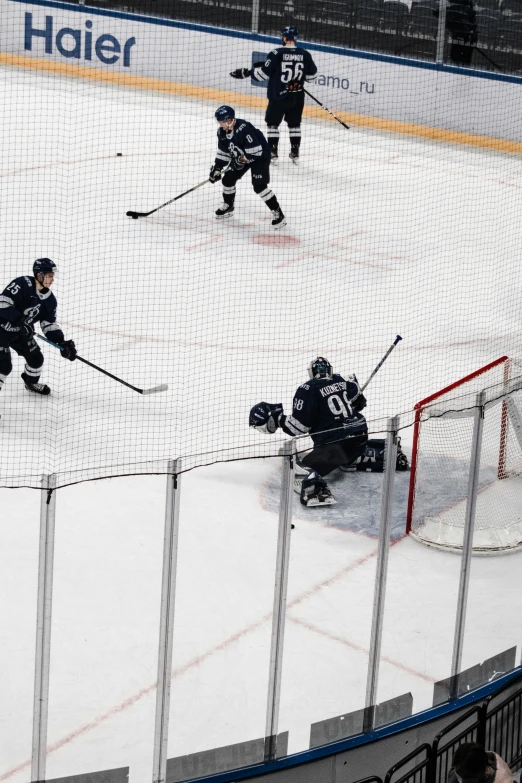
{"x":215,"y":174}
{"x":265,"y":417}
{"x":68,"y":349}
{"x":26,"y":330}
{"x":241,"y":73}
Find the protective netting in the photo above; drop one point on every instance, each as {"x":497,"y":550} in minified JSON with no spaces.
{"x":386,"y":234}
{"x":441,"y":463}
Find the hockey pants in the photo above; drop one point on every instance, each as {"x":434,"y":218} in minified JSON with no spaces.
{"x":323,"y":459}
{"x":260,"y":173}
{"x":23,"y":346}
{"x":289,"y":109}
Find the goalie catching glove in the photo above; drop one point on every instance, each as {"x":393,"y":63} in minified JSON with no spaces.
{"x":265,"y":417}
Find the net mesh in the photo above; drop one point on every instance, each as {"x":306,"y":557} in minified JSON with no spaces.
{"x":442,"y":463}
{"x":228,"y":314}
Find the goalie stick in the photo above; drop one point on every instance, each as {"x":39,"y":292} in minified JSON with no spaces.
{"x":378,"y":367}
{"x":152,"y":390}
{"x":388,"y":352}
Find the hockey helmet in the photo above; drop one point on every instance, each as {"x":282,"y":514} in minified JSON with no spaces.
{"x":290,"y":32}
{"x":43,"y":266}
{"x":225,"y":113}
{"x":320,"y":368}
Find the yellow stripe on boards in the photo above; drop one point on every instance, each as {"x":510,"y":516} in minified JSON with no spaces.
{"x":255,"y":102}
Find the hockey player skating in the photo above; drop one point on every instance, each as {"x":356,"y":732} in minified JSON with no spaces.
{"x":287,"y":68}
{"x":242,"y":148}
{"x":23,"y":303}
{"x":328,"y":408}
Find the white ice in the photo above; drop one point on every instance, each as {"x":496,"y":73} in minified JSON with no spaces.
{"x":386,"y":234}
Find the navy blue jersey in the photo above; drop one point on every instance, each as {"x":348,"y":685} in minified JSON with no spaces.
{"x":21,"y":302}
{"x":323,"y":409}
{"x":243,"y":141}
{"x":286,"y":68}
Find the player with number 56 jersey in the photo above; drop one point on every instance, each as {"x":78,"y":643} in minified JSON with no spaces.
{"x":286,"y":68}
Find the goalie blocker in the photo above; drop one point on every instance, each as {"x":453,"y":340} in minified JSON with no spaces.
{"x":372,"y":459}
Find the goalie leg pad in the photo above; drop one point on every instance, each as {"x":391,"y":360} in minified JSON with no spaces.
{"x":372,"y":458}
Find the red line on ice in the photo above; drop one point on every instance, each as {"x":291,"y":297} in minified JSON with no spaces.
{"x":196,"y":661}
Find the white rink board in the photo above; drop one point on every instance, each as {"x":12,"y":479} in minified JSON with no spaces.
{"x":202,"y":56}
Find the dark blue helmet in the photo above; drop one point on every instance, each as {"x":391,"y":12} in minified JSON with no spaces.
{"x":43,"y":265}
{"x":290,"y":33}
{"x":320,"y":368}
{"x":225,"y":113}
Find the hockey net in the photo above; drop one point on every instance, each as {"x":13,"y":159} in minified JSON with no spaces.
{"x":441,"y":455}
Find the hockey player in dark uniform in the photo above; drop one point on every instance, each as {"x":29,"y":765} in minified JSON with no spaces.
{"x":242,"y":148}
{"x":287,"y":68}
{"x":23,"y":303}
{"x":328,"y":408}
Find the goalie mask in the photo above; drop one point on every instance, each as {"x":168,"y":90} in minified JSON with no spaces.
{"x":320,"y":368}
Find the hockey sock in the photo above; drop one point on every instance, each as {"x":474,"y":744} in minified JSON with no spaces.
{"x":229,"y":195}
{"x":271,"y":202}
{"x":295,"y":136}
{"x":273,"y":136}
{"x":31,"y":375}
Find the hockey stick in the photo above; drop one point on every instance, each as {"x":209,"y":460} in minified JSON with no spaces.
{"x":136,"y":215}
{"x":326,"y":109}
{"x":388,"y":352}
{"x":493,"y":63}
{"x":153,"y":390}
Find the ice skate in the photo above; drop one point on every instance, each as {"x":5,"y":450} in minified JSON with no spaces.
{"x":274,"y":157}
{"x":37,"y":388}
{"x":312,"y":497}
{"x":279,"y":220}
{"x":294,"y":155}
{"x":224,"y":211}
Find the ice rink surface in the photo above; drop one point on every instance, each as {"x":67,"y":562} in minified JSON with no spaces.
{"x":386,"y":234}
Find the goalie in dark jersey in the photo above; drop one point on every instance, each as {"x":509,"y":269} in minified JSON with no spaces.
{"x":328,"y":408}
{"x":287,"y":68}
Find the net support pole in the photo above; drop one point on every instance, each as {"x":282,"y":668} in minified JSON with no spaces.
{"x":279,"y":610}
{"x":379,"y":594}
{"x":166,"y":629}
{"x":441,"y":32}
{"x":43,"y":627}
{"x":467,"y":545}
{"x":255,"y":16}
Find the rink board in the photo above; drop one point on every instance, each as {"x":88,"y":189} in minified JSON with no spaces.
{"x":392,"y":93}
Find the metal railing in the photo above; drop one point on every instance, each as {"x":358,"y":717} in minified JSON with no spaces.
{"x":497,"y":727}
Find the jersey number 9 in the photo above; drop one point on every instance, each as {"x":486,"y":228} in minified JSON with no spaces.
{"x":340,"y":406}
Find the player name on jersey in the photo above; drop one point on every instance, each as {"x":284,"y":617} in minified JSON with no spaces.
{"x":334,"y":387}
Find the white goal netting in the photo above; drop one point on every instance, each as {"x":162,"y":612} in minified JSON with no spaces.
{"x":441,"y":462}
